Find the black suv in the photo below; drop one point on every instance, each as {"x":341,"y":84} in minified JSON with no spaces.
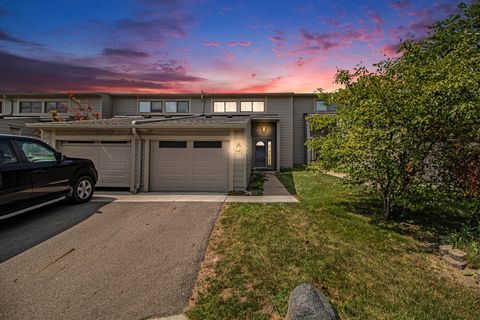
{"x":33,"y":174}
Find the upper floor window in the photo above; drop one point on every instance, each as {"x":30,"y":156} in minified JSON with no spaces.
{"x":150,"y":106}
{"x":320,"y":106}
{"x":55,"y":105}
{"x":30,"y":107}
{"x":224,"y":106}
{"x":252,"y":106}
{"x":177,"y":106}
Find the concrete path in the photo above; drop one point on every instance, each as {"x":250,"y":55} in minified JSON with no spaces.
{"x":273,"y":186}
{"x":115,"y":261}
{"x":107,"y":197}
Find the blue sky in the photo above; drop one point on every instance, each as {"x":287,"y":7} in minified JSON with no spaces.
{"x":190,"y":45}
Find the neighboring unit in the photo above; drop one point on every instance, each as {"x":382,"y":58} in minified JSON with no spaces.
{"x":182,"y":142}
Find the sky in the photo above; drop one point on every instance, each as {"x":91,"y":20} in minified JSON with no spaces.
{"x":184,"y":46}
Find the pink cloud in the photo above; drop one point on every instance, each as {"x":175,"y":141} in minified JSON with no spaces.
{"x":232,"y":43}
{"x":375,"y":17}
{"x":211,"y":44}
{"x":245,"y":43}
{"x":300,"y":62}
{"x":400,"y":4}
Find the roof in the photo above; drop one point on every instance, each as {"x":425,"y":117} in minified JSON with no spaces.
{"x":147,"y":123}
{"x":156,"y":94}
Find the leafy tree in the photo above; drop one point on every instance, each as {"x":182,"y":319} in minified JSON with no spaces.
{"x":408,"y":126}
{"x":76,"y":110}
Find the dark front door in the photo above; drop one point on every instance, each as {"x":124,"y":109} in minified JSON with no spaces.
{"x":260,"y":154}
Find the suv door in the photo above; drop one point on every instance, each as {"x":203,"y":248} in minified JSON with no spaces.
{"x":50,"y":176}
{"x":15,"y":180}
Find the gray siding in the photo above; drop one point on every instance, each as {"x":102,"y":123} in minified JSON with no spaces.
{"x":283,"y":108}
{"x":301,"y":106}
{"x":15,"y":126}
{"x":107,"y":106}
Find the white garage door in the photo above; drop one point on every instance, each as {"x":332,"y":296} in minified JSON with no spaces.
{"x":200,"y":166}
{"x":111,"y":159}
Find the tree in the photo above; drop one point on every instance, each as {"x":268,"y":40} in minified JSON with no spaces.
{"x":401,"y":127}
{"x":76,"y":110}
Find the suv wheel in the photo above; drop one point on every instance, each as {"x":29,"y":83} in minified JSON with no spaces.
{"x":82,"y":189}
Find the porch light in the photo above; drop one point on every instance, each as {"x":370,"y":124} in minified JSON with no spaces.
{"x":264,"y":129}
{"x":238,"y":149}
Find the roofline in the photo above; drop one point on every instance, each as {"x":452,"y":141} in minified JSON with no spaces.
{"x":143,"y":94}
{"x":59,"y":125}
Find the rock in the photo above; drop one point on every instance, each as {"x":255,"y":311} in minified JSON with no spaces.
{"x":444,"y":249}
{"x":454,"y":263}
{"x":456,"y":254}
{"x":307,"y":303}
{"x":478,"y":276}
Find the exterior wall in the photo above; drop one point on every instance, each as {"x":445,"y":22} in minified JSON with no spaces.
{"x":94,"y":100}
{"x":128,"y":106}
{"x":107,"y":106}
{"x":248,"y":152}
{"x":301,"y":106}
{"x":17,"y":126}
{"x":240,"y":181}
{"x":283,"y":108}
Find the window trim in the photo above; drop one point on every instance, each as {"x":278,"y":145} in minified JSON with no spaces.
{"x":224,"y":101}
{"x":252,"y":101}
{"x":30,"y":101}
{"x":45,"y":102}
{"x":164,"y":106}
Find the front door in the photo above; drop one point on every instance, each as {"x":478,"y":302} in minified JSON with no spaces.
{"x":263,"y":154}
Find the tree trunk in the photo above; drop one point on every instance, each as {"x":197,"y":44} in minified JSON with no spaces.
{"x":387,"y":205}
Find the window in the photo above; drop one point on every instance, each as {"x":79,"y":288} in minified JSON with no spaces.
{"x":6,"y":153}
{"x":30,"y":107}
{"x":207,"y":144}
{"x":1,"y":107}
{"x":144,"y":106}
{"x":36,"y":152}
{"x":157,"y":106}
{"x":55,"y":105}
{"x":172,"y":144}
{"x":225,"y":106}
{"x":320,"y":106}
{"x":176,"y":106}
{"x":252,"y":106}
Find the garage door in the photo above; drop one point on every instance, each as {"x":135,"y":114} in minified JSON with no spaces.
{"x":200,"y":166}
{"x":111,"y":159}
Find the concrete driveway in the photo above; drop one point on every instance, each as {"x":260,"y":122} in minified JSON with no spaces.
{"x":120,"y":260}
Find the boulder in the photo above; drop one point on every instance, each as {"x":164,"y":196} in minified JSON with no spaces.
{"x":444,"y":249}
{"x":307,"y":303}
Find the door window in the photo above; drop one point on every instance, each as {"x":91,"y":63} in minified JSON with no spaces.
{"x":36,"y":152}
{"x":6,"y":153}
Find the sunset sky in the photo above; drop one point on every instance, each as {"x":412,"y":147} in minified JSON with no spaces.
{"x":193,"y":45}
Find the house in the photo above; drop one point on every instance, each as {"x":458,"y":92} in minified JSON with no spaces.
{"x":178,"y":142}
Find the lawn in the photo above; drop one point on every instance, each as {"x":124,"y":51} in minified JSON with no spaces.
{"x":334,"y":240}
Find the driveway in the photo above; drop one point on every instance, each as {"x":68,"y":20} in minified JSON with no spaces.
{"x":120,"y":260}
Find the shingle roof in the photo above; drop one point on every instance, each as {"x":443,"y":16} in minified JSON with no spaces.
{"x":142,"y":122}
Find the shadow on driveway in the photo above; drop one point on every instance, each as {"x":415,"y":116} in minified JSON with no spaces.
{"x":22,"y":232}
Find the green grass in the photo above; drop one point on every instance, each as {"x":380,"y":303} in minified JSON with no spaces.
{"x":334,"y":240}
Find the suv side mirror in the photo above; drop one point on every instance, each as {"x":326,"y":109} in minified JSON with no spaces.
{"x":58,"y":156}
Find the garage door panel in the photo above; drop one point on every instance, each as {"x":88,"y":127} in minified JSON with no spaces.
{"x":189,"y":169}
{"x":112,"y":161}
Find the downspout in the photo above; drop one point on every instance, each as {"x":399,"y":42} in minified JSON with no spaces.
{"x":136,"y":186}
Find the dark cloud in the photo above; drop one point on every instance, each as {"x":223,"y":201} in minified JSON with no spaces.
{"x":5,"y":12}
{"x":152,"y":29}
{"x":26,"y":74}
{"x":4,"y":36}
{"x":124,"y":53}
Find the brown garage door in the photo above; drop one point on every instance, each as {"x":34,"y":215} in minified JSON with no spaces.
{"x":200,"y":166}
{"x":111,"y":159}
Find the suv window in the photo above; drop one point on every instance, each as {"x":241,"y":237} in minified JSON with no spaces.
{"x":36,"y":152}
{"x":6,"y":153}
